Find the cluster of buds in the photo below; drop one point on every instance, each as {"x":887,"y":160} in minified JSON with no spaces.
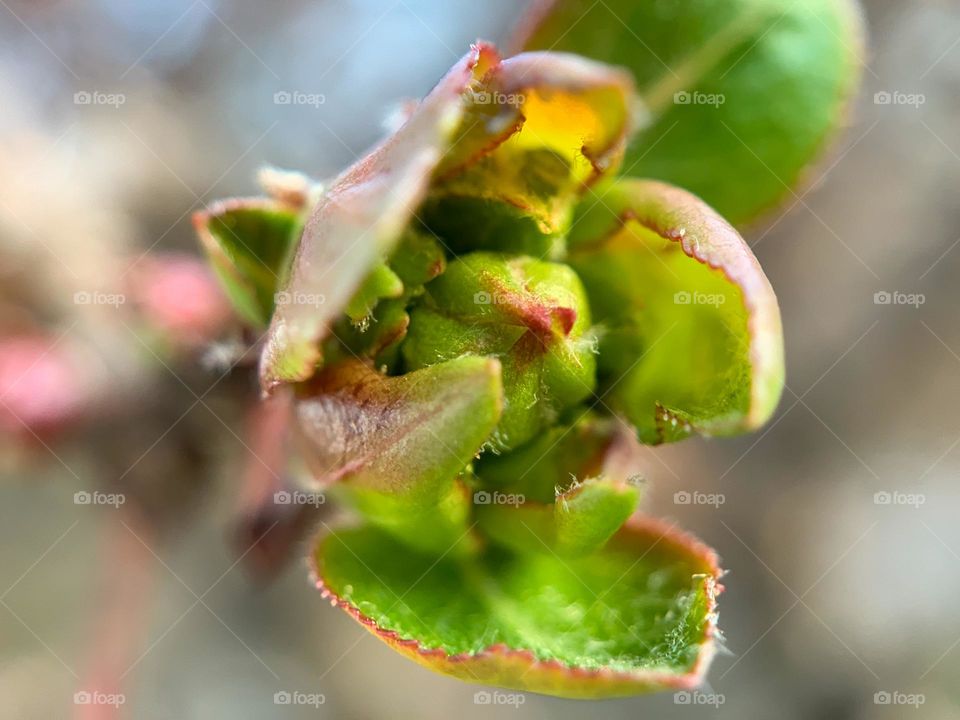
{"x":497,"y":333}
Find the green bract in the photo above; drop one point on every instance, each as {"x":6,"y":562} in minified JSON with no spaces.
{"x":479,"y":323}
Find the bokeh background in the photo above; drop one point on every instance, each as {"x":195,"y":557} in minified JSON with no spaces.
{"x":833,"y":595}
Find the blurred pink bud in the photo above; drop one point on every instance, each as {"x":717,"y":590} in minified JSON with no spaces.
{"x":180,"y":297}
{"x":42,"y":386}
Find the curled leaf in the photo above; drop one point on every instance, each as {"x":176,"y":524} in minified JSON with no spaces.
{"x":565,"y":492}
{"x":589,"y":446}
{"x":380,"y":284}
{"x":248,"y":242}
{"x":742,"y":94}
{"x":538,"y":129}
{"x":637,"y":616}
{"x":517,"y":141}
{"x":384,"y":442}
{"x":359,"y":221}
{"x":692,"y":336}
{"x":579,"y":520}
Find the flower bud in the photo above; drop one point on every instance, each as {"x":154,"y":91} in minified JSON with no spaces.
{"x":532,"y":315}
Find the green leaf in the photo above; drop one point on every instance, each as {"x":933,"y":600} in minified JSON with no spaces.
{"x":440,"y":526}
{"x":418,"y":259}
{"x":742,"y":94}
{"x":691,"y":337}
{"x":588,"y":514}
{"x":358,"y":222}
{"x":570,"y":132}
{"x":385,"y":443}
{"x":579,"y":520}
{"x":248,"y":242}
{"x":538,"y":129}
{"x":637,"y":616}
{"x":589,"y":446}
{"x":380,"y":284}
{"x":532,"y":315}
{"x":567,"y":491}
{"x":377,"y":318}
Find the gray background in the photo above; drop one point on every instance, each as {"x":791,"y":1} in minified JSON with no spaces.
{"x":830,"y":597}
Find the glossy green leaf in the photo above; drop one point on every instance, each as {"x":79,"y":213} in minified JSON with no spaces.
{"x":385,"y":442}
{"x":635,"y":617}
{"x":248,"y":243}
{"x":530,"y":314}
{"x":691,"y":337}
{"x":742,"y":94}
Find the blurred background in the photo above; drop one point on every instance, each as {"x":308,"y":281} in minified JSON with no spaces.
{"x":837,"y":522}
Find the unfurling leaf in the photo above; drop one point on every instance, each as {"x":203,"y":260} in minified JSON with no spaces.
{"x":375,"y":330}
{"x":359,"y":221}
{"x":565,"y":492}
{"x":248,"y":243}
{"x":579,"y":520}
{"x":588,"y":446}
{"x":521,"y":138}
{"x":742,"y":94}
{"x":384,"y":442}
{"x":635,"y":617}
{"x":691,"y":337}
{"x":539,"y":129}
